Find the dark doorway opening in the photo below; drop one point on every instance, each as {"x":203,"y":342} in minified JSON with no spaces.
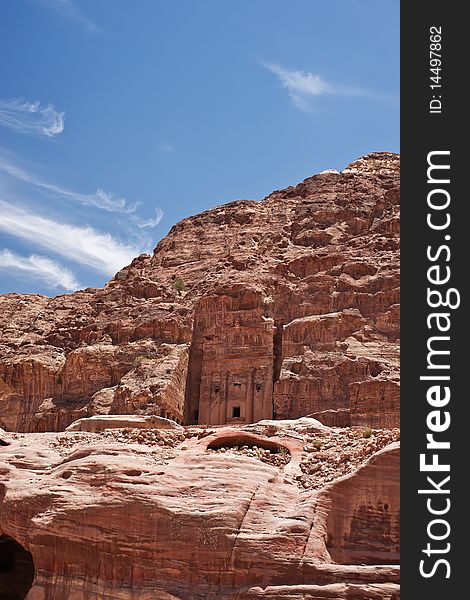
{"x":236,"y":412}
{"x":16,"y":570}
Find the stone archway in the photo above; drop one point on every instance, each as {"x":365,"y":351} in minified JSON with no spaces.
{"x":16,"y":570}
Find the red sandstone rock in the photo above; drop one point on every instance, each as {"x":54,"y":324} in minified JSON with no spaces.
{"x":105,"y":519}
{"x":101,"y":423}
{"x":251,"y":310}
{"x":284,"y":307}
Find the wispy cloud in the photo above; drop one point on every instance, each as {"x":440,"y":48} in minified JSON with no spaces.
{"x":150,"y":223}
{"x":70,"y":11}
{"x":39,"y":268}
{"x":83,"y":245}
{"x":31,"y":117}
{"x":304,"y":87}
{"x":100,"y":199}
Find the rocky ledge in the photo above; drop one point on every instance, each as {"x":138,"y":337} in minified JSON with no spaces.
{"x":201,"y":513}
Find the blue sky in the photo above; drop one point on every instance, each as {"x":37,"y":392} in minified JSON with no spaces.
{"x":119,"y":118}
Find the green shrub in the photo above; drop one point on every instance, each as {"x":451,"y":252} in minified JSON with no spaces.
{"x":139,"y":359}
{"x":179,"y":285}
{"x":368,"y":431}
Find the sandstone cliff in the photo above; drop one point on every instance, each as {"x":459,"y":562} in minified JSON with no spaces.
{"x":275,"y":510}
{"x":246,"y":318}
{"x":285,"y":307}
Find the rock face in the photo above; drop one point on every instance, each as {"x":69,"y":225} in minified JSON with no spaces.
{"x":363,"y":522}
{"x":284,"y":307}
{"x":199,"y":513}
{"x":220,"y":420}
{"x":101,"y":423}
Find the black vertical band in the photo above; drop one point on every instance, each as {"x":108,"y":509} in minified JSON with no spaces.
{"x":435,"y":259}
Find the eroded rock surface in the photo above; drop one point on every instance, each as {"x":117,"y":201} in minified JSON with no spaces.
{"x":157,"y":514}
{"x":220,"y":420}
{"x":251,"y":310}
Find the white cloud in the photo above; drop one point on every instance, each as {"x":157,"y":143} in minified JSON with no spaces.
{"x":84,"y":245}
{"x":151,"y":222}
{"x":70,"y":11}
{"x":39,"y":268}
{"x":304,"y":87}
{"x":301,"y":86}
{"x":100,"y":199}
{"x":31,"y":118}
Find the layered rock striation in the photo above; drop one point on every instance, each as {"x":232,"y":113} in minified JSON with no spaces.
{"x":194,"y":513}
{"x":285,"y":307}
{"x":154,"y":443}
